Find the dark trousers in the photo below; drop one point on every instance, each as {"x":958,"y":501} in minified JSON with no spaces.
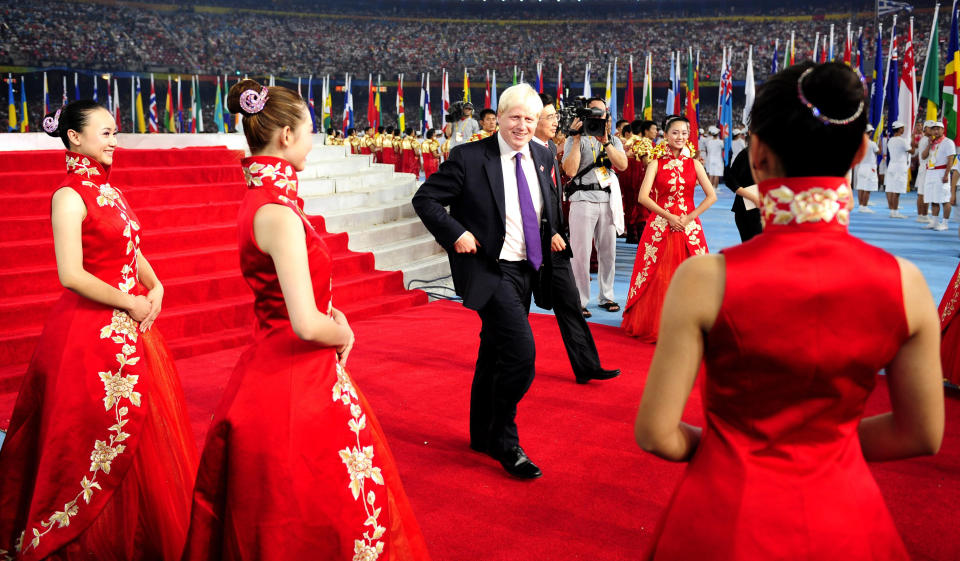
{"x":505,"y":362}
{"x":581,"y":350}
{"x":748,"y":223}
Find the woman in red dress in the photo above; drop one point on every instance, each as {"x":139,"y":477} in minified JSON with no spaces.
{"x":786,"y":324}
{"x":99,"y":459}
{"x":430,"y":150}
{"x":675,"y":232}
{"x":295,"y":465}
{"x":950,"y":331}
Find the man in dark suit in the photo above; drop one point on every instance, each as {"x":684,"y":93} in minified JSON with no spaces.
{"x":499,"y":193}
{"x":564,"y":298}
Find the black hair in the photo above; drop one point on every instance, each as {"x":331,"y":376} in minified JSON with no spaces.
{"x":597,"y":98}
{"x":73,"y":116}
{"x":408,"y":131}
{"x":351,"y":131}
{"x":671,"y":119}
{"x":636,"y":126}
{"x":785,"y":124}
{"x":431,"y":133}
{"x":485,"y":112}
{"x":546,"y":99}
{"x":620,"y":123}
{"x":380,"y":129}
{"x":330,"y":132}
{"x":646,"y":125}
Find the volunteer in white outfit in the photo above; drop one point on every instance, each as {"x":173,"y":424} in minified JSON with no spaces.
{"x":920,"y":183}
{"x":940,"y":155}
{"x":737,"y":144}
{"x":594,"y":195}
{"x":714,"y":156}
{"x":895,"y":180}
{"x":866,"y":181}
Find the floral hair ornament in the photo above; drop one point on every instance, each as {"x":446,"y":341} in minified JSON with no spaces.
{"x":816,"y":111}
{"x":252,"y":101}
{"x":51,"y":124}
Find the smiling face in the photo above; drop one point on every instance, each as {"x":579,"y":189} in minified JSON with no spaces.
{"x":677,"y":135}
{"x":547,"y":126}
{"x":518,"y":124}
{"x":98,"y":138}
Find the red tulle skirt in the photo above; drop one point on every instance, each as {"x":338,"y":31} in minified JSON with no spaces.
{"x":641,"y":318}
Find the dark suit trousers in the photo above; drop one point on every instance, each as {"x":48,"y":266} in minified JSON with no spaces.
{"x":581,"y":350}
{"x":748,"y":223}
{"x":505,"y":362}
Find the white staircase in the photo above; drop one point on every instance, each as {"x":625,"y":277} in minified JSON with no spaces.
{"x":371,"y":203}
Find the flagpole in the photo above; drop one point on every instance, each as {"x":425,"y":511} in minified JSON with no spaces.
{"x":886,"y":75}
{"x":926,"y":61}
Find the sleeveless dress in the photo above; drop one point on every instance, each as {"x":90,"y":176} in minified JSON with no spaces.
{"x":100,"y":457}
{"x":295,"y":465}
{"x":779,"y":473}
{"x":950,"y":330}
{"x":661,"y":250}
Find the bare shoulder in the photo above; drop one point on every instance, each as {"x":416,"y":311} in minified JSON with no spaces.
{"x":918,"y":304}
{"x":697,"y":287}
{"x":66,"y":200}
{"x":275,"y":225}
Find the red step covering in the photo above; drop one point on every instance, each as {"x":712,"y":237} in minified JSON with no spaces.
{"x":187,"y":201}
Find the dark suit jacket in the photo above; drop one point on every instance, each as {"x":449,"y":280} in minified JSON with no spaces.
{"x":471,"y":183}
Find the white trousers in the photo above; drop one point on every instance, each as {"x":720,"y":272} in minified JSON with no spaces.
{"x":591,"y":222}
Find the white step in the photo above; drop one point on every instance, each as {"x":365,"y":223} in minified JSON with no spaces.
{"x":393,"y":256}
{"x":396,"y":190}
{"x":433,"y":271}
{"x":343,"y":166}
{"x":369,"y":239}
{"x":363,"y":180}
{"x":352,"y":220}
{"x":320,"y":152}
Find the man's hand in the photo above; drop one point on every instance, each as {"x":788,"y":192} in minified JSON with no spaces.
{"x":466,"y":243}
{"x":557,"y":243}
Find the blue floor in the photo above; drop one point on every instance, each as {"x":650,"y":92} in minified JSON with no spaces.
{"x":935,"y":253}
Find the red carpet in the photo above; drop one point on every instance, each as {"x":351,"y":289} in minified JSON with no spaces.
{"x":187,"y":201}
{"x":600,"y":496}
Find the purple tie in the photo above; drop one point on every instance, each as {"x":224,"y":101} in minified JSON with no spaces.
{"x":531,"y":227}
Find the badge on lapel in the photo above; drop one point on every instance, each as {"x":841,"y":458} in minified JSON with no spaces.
{"x":541,"y":168}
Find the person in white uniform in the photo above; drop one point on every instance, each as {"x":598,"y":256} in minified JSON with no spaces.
{"x":922,"y":206}
{"x":940,"y":155}
{"x":866,"y":173}
{"x":737,"y":144}
{"x":714,"y":155}
{"x":895,"y":180}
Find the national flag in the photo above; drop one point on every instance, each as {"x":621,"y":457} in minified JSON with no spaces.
{"x":141,"y":121}
{"x":445,"y":93}
{"x":422,"y":122}
{"x":133,"y":103}
{"x":860,"y":57}
{"x":792,"y":48}
{"x":310,"y":104}
{"x":199,"y":113}
{"x":76,"y":86}
{"x":466,"y":85}
{"x":831,"y":55}
{"x":515,"y":74}
{"x":238,"y":118}
{"x":671,"y":107}
{"x":726,"y":116}
{"x":647,"y":96}
{"x":46,"y":95}
{"x":815,"y":55}
{"x":607,"y":98}
{"x":154,"y":122}
{"x":930,"y":78}
{"x":493,"y":90}
{"x":587,"y":89}
{"x":64,"y":101}
{"x":613,"y":94}
{"x":347,"y":104}
{"x":823,"y":51}
{"x":486,"y":92}
{"x":179,"y":104}
{"x":401,"y":115}
{"x":95,"y":80}
{"x":749,"y":89}
{"x":628,"y":111}
{"x":885,"y":7}
{"x":677,"y":96}
{"x":327,"y":112}
{"x":876,"y":87}
{"x":539,"y":77}
{"x":11,"y":106}
{"x":109,"y":98}
{"x":193,"y":107}
{"x":371,"y":103}
{"x":559,"y":98}
{"x":692,"y":99}
{"x":776,"y":57}
{"x":24,"y":114}
{"x":224,"y":112}
{"x":848,"y":47}
{"x":696,"y":87}
{"x":893,"y":80}
{"x":907,"y":89}
{"x":950,"y":79}
{"x":116,"y":104}
{"x":168,"y":121}
{"x":218,"y":109}
{"x":376,"y":103}
{"x":428,"y":113}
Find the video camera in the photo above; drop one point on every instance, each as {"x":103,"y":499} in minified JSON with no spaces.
{"x":456,"y":111}
{"x":594,"y":119}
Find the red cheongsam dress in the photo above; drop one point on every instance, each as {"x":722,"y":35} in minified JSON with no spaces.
{"x":779,"y":473}
{"x":950,"y":330}
{"x":100,"y":458}
{"x":661,"y":249}
{"x":295,"y":465}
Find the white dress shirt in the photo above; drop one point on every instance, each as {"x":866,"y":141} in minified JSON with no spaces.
{"x":514,"y":247}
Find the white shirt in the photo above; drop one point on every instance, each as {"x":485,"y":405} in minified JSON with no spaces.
{"x":940,"y":153}
{"x":514,"y":247}
{"x":714,"y":150}
{"x":898,"y":149}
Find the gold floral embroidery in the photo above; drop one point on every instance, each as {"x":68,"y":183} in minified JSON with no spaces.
{"x":818,"y":204}
{"x":256,"y":172}
{"x":359,"y":462}
{"x":81,"y":165}
{"x":952,"y":303}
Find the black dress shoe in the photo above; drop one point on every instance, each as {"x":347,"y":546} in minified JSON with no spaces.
{"x":517,"y":464}
{"x":602,"y":374}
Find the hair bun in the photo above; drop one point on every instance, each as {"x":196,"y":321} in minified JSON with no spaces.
{"x":233,"y":97}
{"x":51,"y":124}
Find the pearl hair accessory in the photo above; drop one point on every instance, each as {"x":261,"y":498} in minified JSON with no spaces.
{"x":816,"y":111}
{"x":51,"y":124}
{"x":252,"y":101}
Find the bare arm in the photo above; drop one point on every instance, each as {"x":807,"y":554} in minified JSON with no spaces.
{"x":149,"y":279}
{"x":658,"y":428}
{"x":617,"y":158}
{"x":67,"y":214}
{"x":914,"y":427}
{"x":279,"y":233}
{"x":571,"y":158}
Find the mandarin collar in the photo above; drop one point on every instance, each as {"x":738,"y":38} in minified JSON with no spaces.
{"x":276,"y":174}
{"x":805,"y":200}
{"x":80,"y":164}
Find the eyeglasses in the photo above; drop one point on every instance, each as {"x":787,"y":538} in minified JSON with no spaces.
{"x":552,"y":117}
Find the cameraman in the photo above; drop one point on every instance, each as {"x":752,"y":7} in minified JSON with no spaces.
{"x":463,"y":125}
{"x":588,"y":160}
